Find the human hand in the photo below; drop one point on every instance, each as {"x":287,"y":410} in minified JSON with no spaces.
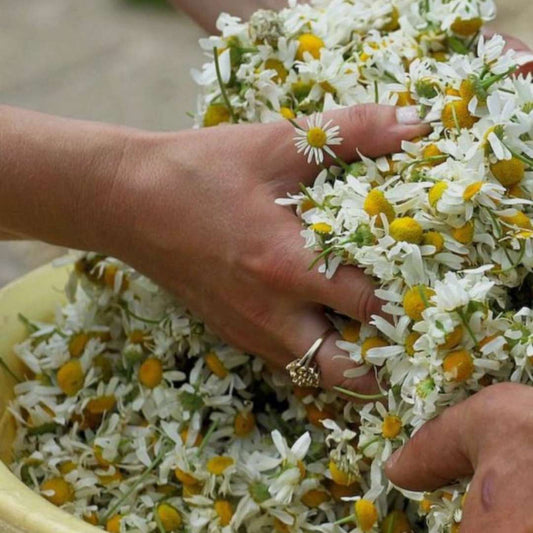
{"x":196,"y":212}
{"x":488,"y":435}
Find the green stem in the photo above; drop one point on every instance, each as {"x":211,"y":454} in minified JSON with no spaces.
{"x":365,"y":397}
{"x":417,"y":162}
{"x":8,"y":370}
{"x":524,"y":158}
{"x":368,"y":444}
{"x":158,"y":522}
{"x":467,"y":326}
{"x":140,"y":318}
{"x":455,"y":119}
{"x":222,"y":88}
{"x":159,"y":457}
{"x":343,"y":521}
{"x":205,"y":440}
{"x":491,"y":80}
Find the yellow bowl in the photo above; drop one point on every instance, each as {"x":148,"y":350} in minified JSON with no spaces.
{"x":21,"y":510}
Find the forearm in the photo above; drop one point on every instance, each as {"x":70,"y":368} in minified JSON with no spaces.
{"x":206,"y":12}
{"x":56,"y":177}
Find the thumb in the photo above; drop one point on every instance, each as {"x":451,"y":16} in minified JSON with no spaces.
{"x":436,"y":455}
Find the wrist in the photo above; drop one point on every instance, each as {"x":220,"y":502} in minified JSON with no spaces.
{"x":139,"y":193}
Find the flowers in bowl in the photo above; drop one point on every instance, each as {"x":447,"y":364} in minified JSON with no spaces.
{"x":137,"y":418}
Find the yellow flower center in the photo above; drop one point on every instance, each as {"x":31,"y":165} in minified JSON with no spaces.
{"x":62,"y":491}
{"x":464,"y":234}
{"x":394,"y":23}
{"x":453,"y":338}
{"x":224,"y":510}
{"x":219,"y":464}
{"x":281,"y":527}
{"x":472,"y":190}
{"x":185,"y":478}
{"x":372,"y":342}
{"x":322,"y":228}
{"x":67,"y":467}
{"x":434,"y":238}
{"x":376,"y":204}
{"x":467,"y":90}
{"x":351,"y":331}
{"x":416,"y":300}
{"x":406,"y":229}
{"x":277,"y":65}
{"x":467,"y":27}
{"x":317,"y":137}
{"x":366,"y":514}
{"x":508,"y":172}
{"x":391,"y":427}
{"x":404,"y":99}
{"x":70,"y":378}
{"x":327,"y":87}
{"x":410,"y":342}
{"x":520,"y":220}
{"x":216,"y":114}
{"x":287,"y":112}
{"x":77,"y":344}
{"x":137,"y":336}
{"x":432,"y":150}
{"x":436,"y":192}
{"x":216,"y":366}
{"x":516,"y":191}
{"x":456,"y":115}
{"x":91,"y":518}
{"x":151,"y":373}
{"x":244,"y":424}
{"x":315,"y":498}
{"x":309,"y":43}
{"x":169,"y":516}
{"x":113,"y":524}
{"x":459,"y":365}
{"x":98,"y":406}
{"x":341,"y":477}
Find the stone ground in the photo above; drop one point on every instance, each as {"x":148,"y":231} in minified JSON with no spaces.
{"x":117,"y":61}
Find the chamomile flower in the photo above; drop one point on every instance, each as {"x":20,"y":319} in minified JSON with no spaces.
{"x":316,"y":139}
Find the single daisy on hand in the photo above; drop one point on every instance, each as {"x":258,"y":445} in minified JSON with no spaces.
{"x":317,"y":138}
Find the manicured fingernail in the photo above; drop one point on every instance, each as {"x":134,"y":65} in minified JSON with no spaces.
{"x":524,"y":58}
{"x":394,"y":458}
{"x":409,"y":115}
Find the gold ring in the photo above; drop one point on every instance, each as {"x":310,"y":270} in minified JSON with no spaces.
{"x":304,"y":372}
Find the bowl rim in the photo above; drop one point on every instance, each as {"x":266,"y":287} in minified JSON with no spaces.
{"x":22,"y":509}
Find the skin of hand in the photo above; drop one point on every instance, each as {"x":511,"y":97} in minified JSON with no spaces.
{"x":196,"y":212}
{"x":489,"y":435}
{"x":206,"y":13}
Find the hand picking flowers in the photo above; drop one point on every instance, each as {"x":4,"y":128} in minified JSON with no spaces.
{"x":137,"y":418}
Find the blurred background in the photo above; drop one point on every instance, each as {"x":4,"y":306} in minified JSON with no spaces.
{"x":121,"y":61}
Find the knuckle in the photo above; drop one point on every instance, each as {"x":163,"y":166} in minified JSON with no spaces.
{"x":278,"y":269}
{"x":363,"y":117}
{"x":366,"y":304}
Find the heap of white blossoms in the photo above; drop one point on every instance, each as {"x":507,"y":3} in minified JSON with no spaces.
{"x":138,"y":419}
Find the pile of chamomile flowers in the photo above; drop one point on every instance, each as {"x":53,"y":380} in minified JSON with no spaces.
{"x":133,"y":416}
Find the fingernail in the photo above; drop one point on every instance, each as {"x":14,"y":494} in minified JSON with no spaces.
{"x":409,"y":115}
{"x":524,"y":58}
{"x":394,"y":458}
